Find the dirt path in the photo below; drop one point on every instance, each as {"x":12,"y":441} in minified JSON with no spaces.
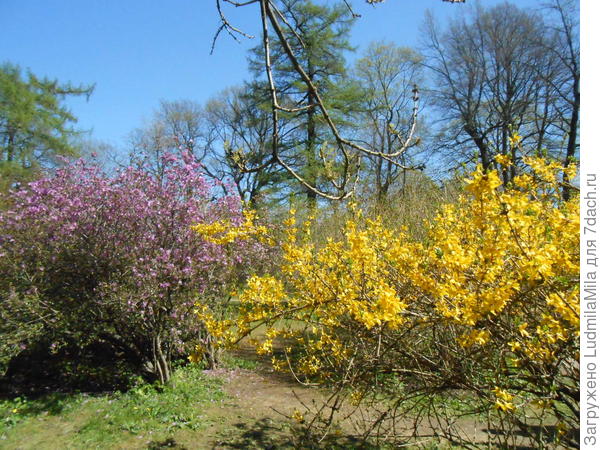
{"x":256,"y":415}
{"x":262,"y":402}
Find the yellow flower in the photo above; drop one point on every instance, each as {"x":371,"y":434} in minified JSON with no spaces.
{"x":482,"y":183}
{"x":223,"y":232}
{"x":503,"y":400}
{"x":356,"y":397}
{"x":504,"y":160}
{"x":297,"y":416}
{"x":496,"y":262}
{"x":265,"y":347}
{"x":541,"y":403}
{"x":504,"y":406}
{"x":514,"y":346}
{"x":523,"y":330}
{"x":197,"y":355}
{"x":514,"y":140}
{"x":480,"y":337}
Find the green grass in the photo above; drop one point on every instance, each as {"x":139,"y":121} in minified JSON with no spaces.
{"x":19,"y":409}
{"x":135,"y":419}
{"x":230,"y":361}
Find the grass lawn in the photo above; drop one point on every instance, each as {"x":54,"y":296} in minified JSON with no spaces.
{"x":141,"y":418}
{"x":241,"y":406}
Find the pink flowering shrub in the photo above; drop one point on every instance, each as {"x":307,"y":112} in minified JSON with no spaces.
{"x":89,"y":259}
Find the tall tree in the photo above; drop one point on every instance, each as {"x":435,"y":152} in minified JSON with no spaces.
{"x":240,"y":127}
{"x":495,"y":77}
{"x":279,"y":29}
{"x":174,"y":126}
{"x":35,"y":125}
{"x":389,"y":76}
{"x":230,"y":126}
{"x":317,"y":36}
{"x":565,"y":48}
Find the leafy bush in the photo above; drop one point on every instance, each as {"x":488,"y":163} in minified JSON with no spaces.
{"x":90,"y":261}
{"x":483,"y":313}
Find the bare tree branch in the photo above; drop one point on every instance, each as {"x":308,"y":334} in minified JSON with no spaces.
{"x":272,"y":17}
{"x":225,"y":25}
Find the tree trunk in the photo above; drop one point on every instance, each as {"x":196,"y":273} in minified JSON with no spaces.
{"x":479,"y":141}
{"x":161,"y":360}
{"x":10,"y":148}
{"x":311,"y":141}
{"x":572,"y":142}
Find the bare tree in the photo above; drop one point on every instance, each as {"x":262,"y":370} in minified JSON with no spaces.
{"x":176,"y":126}
{"x":241,"y":130}
{"x":230,"y":127}
{"x":566,"y":88}
{"x":389,"y":76}
{"x":277,"y":27}
{"x":496,"y":76}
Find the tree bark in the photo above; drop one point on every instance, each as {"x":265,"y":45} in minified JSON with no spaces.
{"x":572,"y":142}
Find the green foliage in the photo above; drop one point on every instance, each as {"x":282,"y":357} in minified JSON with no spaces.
{"x":35,"y":126}
{"x":231,"y":361}
{"x":20,"y":409}
{"x":17,"y":325}
{"x":319,"y":39}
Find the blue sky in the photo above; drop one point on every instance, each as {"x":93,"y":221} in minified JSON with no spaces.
{"x":138,"y":52}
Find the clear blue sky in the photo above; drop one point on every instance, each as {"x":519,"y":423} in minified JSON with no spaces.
{"x":138,"y":52}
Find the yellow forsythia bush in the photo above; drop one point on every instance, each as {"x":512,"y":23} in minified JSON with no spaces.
{"x":484,"y":311}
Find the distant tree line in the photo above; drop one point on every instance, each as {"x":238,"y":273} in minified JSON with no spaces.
{"x":493,"y":76}
{"x":498,"y":80}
